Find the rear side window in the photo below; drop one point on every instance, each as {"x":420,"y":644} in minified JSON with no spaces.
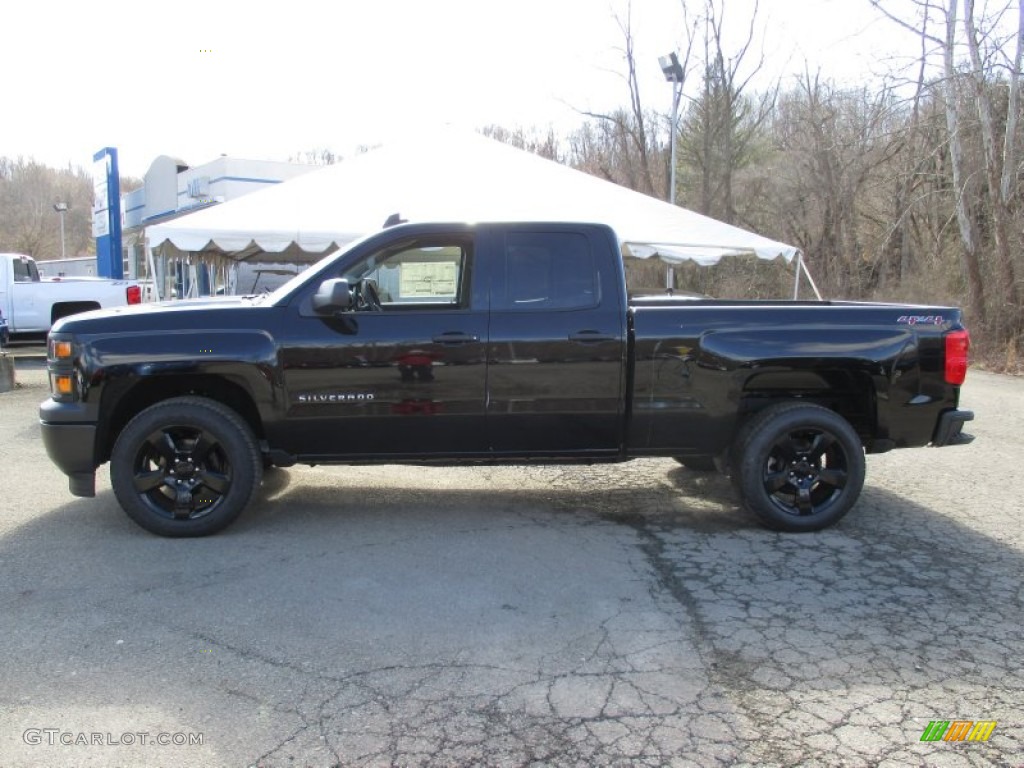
{"x":23,"y":270}
{"x":547,"y":270}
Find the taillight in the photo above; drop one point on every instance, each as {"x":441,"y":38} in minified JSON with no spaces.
{"x":134,"y":294}
{"x":957,"y":345}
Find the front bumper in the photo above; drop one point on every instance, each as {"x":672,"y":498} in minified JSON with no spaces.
{"x":948,"y":431}
{"x":70,"y":445}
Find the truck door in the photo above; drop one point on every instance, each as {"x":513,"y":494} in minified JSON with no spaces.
{"x":405,"y":379}
{"x":29,"y":308}
{"x":556,"y":354}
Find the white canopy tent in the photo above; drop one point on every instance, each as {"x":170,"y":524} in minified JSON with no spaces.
{"x":449,"y":176}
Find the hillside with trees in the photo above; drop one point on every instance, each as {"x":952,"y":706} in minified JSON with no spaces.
{"x":906,"y":190}
{"x":30,"y":224}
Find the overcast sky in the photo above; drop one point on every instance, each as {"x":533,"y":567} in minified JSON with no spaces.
{"x":266,"y":80}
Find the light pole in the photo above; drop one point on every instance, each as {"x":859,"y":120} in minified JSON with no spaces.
{"x":673,"y":71}
{"x":61,"y":208}
{"x":674,"y":74}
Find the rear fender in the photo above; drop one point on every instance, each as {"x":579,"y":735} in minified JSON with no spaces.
{"x":861,"y":372}
{"x":701,"y":397}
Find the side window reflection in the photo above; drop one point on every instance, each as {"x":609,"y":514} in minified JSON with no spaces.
{"x":548,"y":270}
{"x":422,"y":275}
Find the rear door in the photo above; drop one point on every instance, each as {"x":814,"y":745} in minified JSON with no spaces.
{"x":557,"y":344}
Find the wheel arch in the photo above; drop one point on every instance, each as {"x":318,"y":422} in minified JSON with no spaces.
{"x":63,"y":309}
{"x":149,"y":391}
{"x":849,"y":393}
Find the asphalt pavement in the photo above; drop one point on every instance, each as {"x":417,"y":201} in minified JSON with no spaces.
{"x":581,"y":616}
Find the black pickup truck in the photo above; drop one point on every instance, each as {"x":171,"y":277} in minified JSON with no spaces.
{"x":492,"y":343}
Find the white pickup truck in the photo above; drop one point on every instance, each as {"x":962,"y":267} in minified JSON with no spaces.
{"x":31,"y":305}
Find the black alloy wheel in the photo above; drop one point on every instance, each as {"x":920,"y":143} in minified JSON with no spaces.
{"x":185,"y":467}
{"x":799,"y":467}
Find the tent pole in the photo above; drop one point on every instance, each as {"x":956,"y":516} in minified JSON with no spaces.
{"x":811,"y":281}
{"x":801,"y":267}
{"x":151,"y":263}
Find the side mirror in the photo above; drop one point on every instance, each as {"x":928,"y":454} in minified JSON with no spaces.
{"x":333,"y":295}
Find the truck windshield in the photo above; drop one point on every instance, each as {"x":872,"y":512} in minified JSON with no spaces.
{"x":310,"y":273}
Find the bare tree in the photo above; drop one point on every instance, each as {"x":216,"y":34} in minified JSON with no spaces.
{"x":624,"y":146}
{"x":911,"y":177}
{"x":966,"y":219}
{"x":998,"y":167}
{"x":28,"y":222}
{"x":724,"y":121}
{"x":828,"y":184}
{"x":987,"y":205}
{"x":543,"y":143}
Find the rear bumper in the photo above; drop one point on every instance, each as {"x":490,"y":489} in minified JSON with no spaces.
{"x":949,"y":429}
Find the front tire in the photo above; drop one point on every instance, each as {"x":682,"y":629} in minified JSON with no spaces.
{"x":798,"y":467}
{"x":185,"y":467}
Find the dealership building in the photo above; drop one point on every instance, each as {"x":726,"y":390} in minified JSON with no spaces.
{"x":171,"y":189}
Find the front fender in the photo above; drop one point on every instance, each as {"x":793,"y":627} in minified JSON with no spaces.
{"x":114,"y":365}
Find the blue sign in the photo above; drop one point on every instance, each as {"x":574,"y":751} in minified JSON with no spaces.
{"x":106,"y":214}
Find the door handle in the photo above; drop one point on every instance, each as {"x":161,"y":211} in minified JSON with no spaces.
{"x":455,"y":337}
{"x":591,"y":337}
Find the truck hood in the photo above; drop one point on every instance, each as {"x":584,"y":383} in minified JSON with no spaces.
{"x":162,"y":314}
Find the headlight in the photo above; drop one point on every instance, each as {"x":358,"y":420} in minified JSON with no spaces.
{"x":60,"y":350}
{"x":60,"y":355}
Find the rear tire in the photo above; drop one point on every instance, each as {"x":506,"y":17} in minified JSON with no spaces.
{"x":798,"y":467}
{"x":185,"y":467}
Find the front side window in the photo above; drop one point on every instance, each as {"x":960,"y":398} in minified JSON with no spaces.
{"x":433,"y":275}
